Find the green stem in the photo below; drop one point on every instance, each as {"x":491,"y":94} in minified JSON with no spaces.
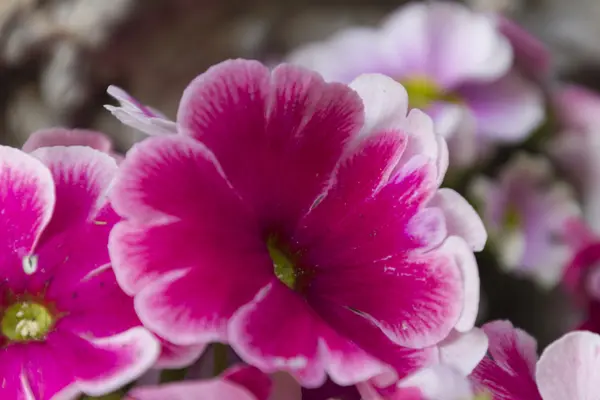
{"x":219,"y":358}
{"x":172,"y":375}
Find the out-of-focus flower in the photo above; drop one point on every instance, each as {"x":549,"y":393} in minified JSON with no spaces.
{"x":238,"y":383}
{"x":577,"y":146}
{"x":64,"y":328}
{"x":569,"y":368}
{"x":71,"y":137}
{"x":433,"y":383}
{"x":525,"y":211}
{"x":301,"y":222}
{"x":455,"y":64}
{"x":133,"y":113}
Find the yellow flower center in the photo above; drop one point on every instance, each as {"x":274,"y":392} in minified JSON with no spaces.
{"x":422,"y":92}
{"x":26,"y":321}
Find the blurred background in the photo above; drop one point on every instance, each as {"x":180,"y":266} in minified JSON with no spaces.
{"x":57,"y":58}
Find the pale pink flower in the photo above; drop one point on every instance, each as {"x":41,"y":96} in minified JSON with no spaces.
{"x":456,"y":65}
{"x":65,"y":325}
{"x":526,"y":211}
{"x":577,"y":145}
{"x":299,"y":221}
{"x":238,"y":383}
{"x":569,"y":368}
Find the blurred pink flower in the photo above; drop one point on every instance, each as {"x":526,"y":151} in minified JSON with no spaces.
{"x":71,"y":137}
{"x":432,"y":383}
{"x":526,"y":211}
{"x":577,"y":146}
{"x":301,"y":222}
{"x":65,"y":327}
{"x":238,"y":383}
{"x":569,"y":368}
{"x":456,"y":65}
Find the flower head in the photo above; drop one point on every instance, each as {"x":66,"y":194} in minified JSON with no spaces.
{"x":299,"y":221}
{"x":526,"y":212}
{"x":577,"y":145}
{"x":65,"y":327}
{"x":238,"y":383}
{"x":569,"y":368}
{"x":456,"y":65}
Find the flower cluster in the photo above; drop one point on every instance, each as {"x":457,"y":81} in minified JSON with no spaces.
{"x":308,"y":226}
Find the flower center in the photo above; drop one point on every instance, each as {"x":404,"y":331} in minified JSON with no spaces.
{"x":282,"y":265}
{"x":422,"y":92}
{"x":512,"y":218}
{"x":26,"y":321}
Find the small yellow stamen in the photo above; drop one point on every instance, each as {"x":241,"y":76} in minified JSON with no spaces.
{"x":422,"y":92}
{"x":26,"y":321}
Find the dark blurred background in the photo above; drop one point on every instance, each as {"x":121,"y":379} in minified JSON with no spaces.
{"x":57,"y":58}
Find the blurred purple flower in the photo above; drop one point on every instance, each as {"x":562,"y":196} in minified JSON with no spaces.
{"x":525,"y":211}
{"x":64,"y":327}
{"x":289,"y":205}
{"x":569,"y":368}
{"x":455,"y":64}
{"x":577,"y":146}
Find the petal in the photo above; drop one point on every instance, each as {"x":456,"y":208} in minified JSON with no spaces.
{"x":414,"y":300}
{"x":176,"y":357}
{"x":461,"y":218}
{"x":448,"y":42}
{"x":81,"y":176}
{"x":96,"y":307}
{"x":508,"y":372}
{"x":345,"y":55}
{"x":216,"y":389}
{"x":104,"y":365}
{"x":67,"y":137}
{"x":385,"y":102}
{"x":251,"y":379}
{"x":278,"y":136}
{"x":190,"y":308}
{"x":569,"y":368}
{"x":462,"y":254}
{"x":279,"y":332}
{"x":507,"y":110}
{"x":131,"y":112}
{"x":169,"y":177}
{"x":439,"y":383}
{"x":27,"y":201}
{"x":14,"y":383}
{"x":46,"y":373}
{"x":463,"y":351}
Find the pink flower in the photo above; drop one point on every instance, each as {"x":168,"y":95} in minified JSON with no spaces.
{"x":71,"y":137}
{"x":526,"y":211}
{"x":172,"y":356}
{"x":299,"y":221}
{"x":456,"y":65}
{"x":569,"y":368}
{"x":238,"y":383}
{"x":432,"y":383}
{"x":577,"y":146}
{"x":64,"y":326}
{"x":133,"y":113}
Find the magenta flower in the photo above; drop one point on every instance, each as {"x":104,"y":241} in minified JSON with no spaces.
{"x":238,"y":383}
{"x":569,"y":368}
{"x":455,"y":64}
{"x":577,"y":146}
{"x":299,"y":221}
{"x":526,"y":213}
{"x":64,"y":328}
